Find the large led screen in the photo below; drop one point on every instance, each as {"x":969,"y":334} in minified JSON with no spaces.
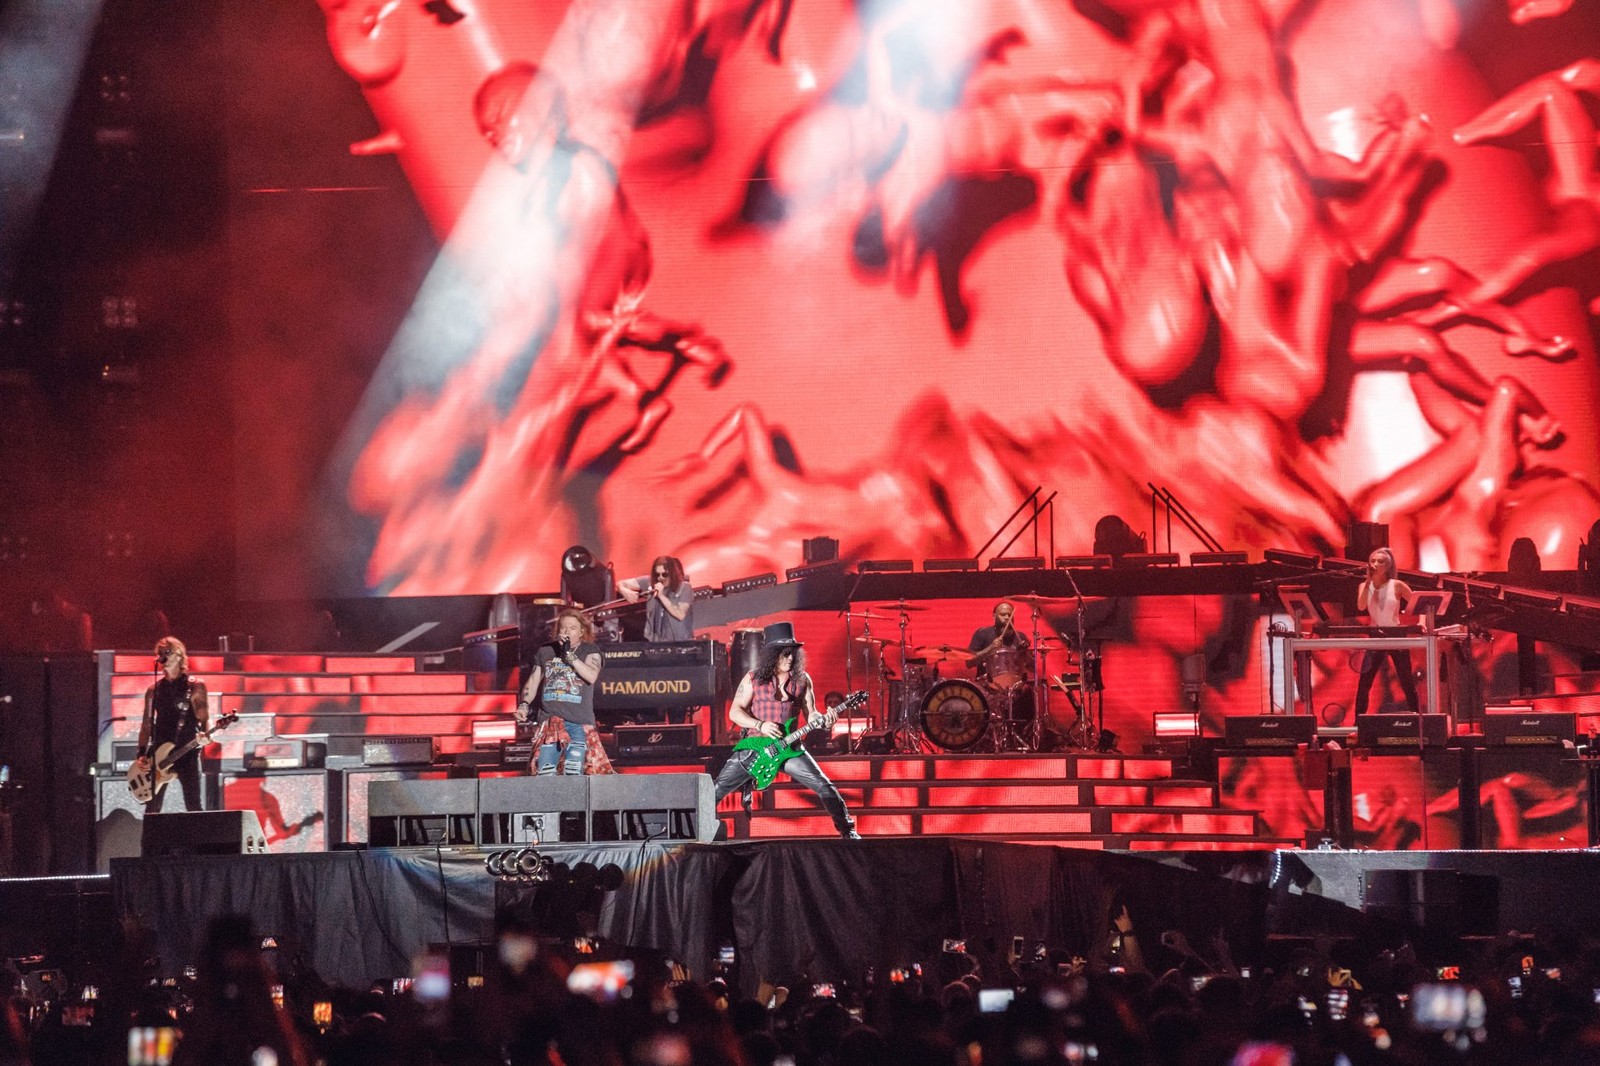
{"x":709,"y":277}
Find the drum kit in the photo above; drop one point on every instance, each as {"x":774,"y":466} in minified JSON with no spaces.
{"x":1004,"y":708}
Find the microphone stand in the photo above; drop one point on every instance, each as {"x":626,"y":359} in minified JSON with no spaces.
{"x":1088,"y":732}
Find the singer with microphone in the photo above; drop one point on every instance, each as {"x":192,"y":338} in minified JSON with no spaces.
{"x":1382,"y":596}
{"x":176,"y":710}
{"x":669,"y":600}
{"x":562,"y":683}
{"x":1000,"y":637}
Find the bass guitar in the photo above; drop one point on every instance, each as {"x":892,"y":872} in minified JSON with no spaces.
{"x":773,"y":752}
{"x":146,"y":779}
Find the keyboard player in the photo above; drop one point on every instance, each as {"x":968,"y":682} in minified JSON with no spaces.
{"x":669,"y":610}
{"x":1383,"y":596}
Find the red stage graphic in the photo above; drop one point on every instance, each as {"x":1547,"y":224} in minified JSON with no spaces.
{"x":717,"y":276}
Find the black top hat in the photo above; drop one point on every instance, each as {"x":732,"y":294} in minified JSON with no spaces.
{"x":779,"y":635}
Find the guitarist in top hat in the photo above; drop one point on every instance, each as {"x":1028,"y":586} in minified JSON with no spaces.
{"x":175,"y":711}
{"x":770,"y":695}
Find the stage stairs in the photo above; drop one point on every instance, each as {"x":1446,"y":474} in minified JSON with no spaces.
{"x":1088,"y":800}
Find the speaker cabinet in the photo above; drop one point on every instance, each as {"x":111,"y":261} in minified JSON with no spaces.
{"x":203,"y":833}
{"x":534,"y":810}
{"x":652,"y":807}
{"x":291,"y":805}
{"x":422,"y":813}
{"x":119,"y":817}
{"x":350,"y":792}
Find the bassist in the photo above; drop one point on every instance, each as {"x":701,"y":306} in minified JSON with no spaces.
{"x":774,"y":692}
{"x":175,"y":711}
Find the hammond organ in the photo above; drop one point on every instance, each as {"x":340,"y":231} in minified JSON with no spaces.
{"x":639,"y":677}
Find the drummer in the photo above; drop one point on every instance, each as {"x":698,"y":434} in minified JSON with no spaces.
{"x":1000,"y":649}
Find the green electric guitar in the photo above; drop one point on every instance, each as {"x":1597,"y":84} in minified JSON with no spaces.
{"x":772,"y":753}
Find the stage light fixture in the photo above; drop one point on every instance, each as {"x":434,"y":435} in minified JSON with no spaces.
{"x":1288,"y":558}
{"x":1538,"y":601}
{"x":1083,"y":562}
{"x":1218,"y":558}
{"x":1018,"y":562}
{"x":1136,"y":560}
{"x":1588,"y":610}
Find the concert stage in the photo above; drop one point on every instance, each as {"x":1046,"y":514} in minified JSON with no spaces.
{"x":825,"y":908}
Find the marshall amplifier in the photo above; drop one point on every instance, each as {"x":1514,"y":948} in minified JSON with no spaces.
{"x":639,"y":677}
{"x":673,"y":741}
{"x":396,"y":751}
{"x":1402,"y":730}
{"x":1530,"y":728}
{"x":1268,"y":730}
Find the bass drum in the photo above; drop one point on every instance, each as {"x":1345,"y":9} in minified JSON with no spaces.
{"x":744,"y":653}
{"x":955,"y":715}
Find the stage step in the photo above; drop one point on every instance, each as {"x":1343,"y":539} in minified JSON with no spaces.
{"x":250,"y":662}
{"x":356,"y":703}
{"x":134,"y":685}
{"x":949,"y":766}
{"x":1214,"y":823}
{"x":991,"y":792}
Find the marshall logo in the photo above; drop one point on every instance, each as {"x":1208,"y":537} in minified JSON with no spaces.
{"x":646,"y":688}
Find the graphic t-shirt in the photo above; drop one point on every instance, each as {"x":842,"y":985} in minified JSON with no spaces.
{"x":561,"y":691}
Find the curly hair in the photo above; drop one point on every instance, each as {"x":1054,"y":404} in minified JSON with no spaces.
{"x":767,"y":668}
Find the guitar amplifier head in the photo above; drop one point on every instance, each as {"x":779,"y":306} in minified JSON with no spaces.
{"x":276,"y":755}
{"x":674,"y":741}
{"x":1268,"y":730}
{"x":397,"y":751}
{"x":1402,"y":731}
{"x":1526,"y":727}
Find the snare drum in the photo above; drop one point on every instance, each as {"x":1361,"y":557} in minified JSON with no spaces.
{"x":1007,"y":666}
{"x":955,"y":715}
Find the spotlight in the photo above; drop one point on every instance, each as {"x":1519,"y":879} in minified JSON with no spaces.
{"x":1108,"y":742}
{"x":525,"y":864}
{"x":583,"y":580}
{"x":532,"y":866}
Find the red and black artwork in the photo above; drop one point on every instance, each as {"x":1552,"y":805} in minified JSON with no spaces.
{"x":709,"y":277}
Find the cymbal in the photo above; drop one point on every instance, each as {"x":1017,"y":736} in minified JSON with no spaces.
{"x":902,"y":606}
{"x":1034,"y":597}
{"x":878,"y":641}
{"x":940,"y":653}
{"x":868,"y":614}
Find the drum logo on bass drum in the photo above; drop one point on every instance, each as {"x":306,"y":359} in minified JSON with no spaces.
{"x":646,"y":688}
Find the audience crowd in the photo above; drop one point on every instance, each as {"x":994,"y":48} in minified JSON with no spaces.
{"x":530,"y":999}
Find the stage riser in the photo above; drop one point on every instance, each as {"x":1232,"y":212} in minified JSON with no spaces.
{"x":890,"y":902}
{"x":1476,"y":798}
{"x":506,"y":811}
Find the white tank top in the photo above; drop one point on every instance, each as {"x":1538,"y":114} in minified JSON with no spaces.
{"x":1383,"y":604}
